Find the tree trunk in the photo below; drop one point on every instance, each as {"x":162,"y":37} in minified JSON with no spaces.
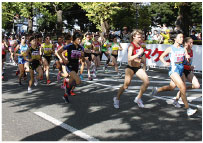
{"x":59,"y":22}
{"x":183,"y":20}
{"x":104,"y":26}
{"x":30,"y":25}
{"x":30,"y":19}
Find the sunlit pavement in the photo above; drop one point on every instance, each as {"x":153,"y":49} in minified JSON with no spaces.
{"x":90,"y":115}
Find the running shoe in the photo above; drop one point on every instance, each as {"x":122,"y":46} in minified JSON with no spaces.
{"x":176,"y":104}
{"x":190,"y":111}
{"x":94,"y":75}
{"x":154,"y":91}
{"x":36,"y":82}
{"x":90,"y":79}
{"x":115,"y":102}
{"x":104,"y":68}
{"x":81,"y":77}
{"x":139,"y":102}
{"x":119,"y":74}
{"x":48,"y":81}
{"x":65,"y":98}
{"x":72,"y":93}
{"x":29,"y":90}
{"x":59,"y":76}
{"x":17,"y":72}
{"x":63,"y":86}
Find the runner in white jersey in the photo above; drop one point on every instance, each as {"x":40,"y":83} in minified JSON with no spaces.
{"x":188,"y":70}
{"x":176,"y":53}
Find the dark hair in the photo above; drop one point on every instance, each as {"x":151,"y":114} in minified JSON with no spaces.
{"x":60,"y":36}
{"x":88,"y":34}
{"x":111,"y":37}
{"x":175,"y":34}
{"x":47,"y":36}
{"x":31,"y":38}
{"x":76,"y":35}
{"x":68,"y":36}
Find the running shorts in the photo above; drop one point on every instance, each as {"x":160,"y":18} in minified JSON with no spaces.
{"x":178,"y":68}
{"x":135,"y":69}
{"x":34,"y":64}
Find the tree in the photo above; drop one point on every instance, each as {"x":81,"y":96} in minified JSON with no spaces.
{"x":100,"y":13}
{"x":9,"y":10}
{"x":76,"y":15}
{"x":163,"y":12}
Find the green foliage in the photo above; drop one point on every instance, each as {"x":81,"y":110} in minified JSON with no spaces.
{"x":163,"y":12}
{"x":9,"y":9}
{"x":99,"y":12}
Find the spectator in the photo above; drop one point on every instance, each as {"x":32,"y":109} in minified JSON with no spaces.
{"x":193,"y":36}
{"x":157,"y":37}
{"x":164,"y":28}
{"x":199,"y":37}
{"x":149,"y":36}
{"x":125,"y":35}
{"x":166,"y":36}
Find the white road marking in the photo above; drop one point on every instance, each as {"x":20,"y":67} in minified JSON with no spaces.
{"x":66,"y":126}
{"x":137,"y":87}
{"x":149,"y":95}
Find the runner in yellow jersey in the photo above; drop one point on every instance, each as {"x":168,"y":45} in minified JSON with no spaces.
{"x":115,"y":47}
{"x":47,"y":50}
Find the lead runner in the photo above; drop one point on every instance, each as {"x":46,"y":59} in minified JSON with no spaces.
{"x":135,"y":58}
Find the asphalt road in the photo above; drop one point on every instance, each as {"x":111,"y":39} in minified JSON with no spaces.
{"x":90,"y":115}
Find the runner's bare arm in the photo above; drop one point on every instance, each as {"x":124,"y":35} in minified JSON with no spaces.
{"x":167,"y":51}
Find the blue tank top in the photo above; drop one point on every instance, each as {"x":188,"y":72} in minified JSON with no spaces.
{"x":176,"y":55}
{"x":22,"y":50}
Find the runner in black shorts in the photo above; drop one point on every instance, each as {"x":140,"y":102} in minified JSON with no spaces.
{"x":47,"y":50}
{"x":34,"y":58}
{"x":135,"y":55}
{"x":75,"y":52}
{"x":87,"y":44}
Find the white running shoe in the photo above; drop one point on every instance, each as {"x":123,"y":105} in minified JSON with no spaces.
{"x":119,"y":74}
{"x":139,"y":102}
{"x":190,"y":111}
{"x":115,"y":102}
{"x":36,"y":82}
{"x":104,"y":69}
{"x":176,"y":104}
{"x":154,"y":91}
{"x":94,"y":74}
{"x":29,"y":90}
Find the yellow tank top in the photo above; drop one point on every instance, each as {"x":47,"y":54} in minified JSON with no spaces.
{"x":47,"y":49}
{"x":115,"y":47}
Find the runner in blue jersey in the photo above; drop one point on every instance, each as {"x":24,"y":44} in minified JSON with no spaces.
{"x":75,"y":53}
{"x":20,"y":51}
{"x":188,"y":70}
{"x":176,"y":53}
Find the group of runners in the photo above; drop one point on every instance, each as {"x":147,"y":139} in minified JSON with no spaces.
{"x":73,"y":53}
